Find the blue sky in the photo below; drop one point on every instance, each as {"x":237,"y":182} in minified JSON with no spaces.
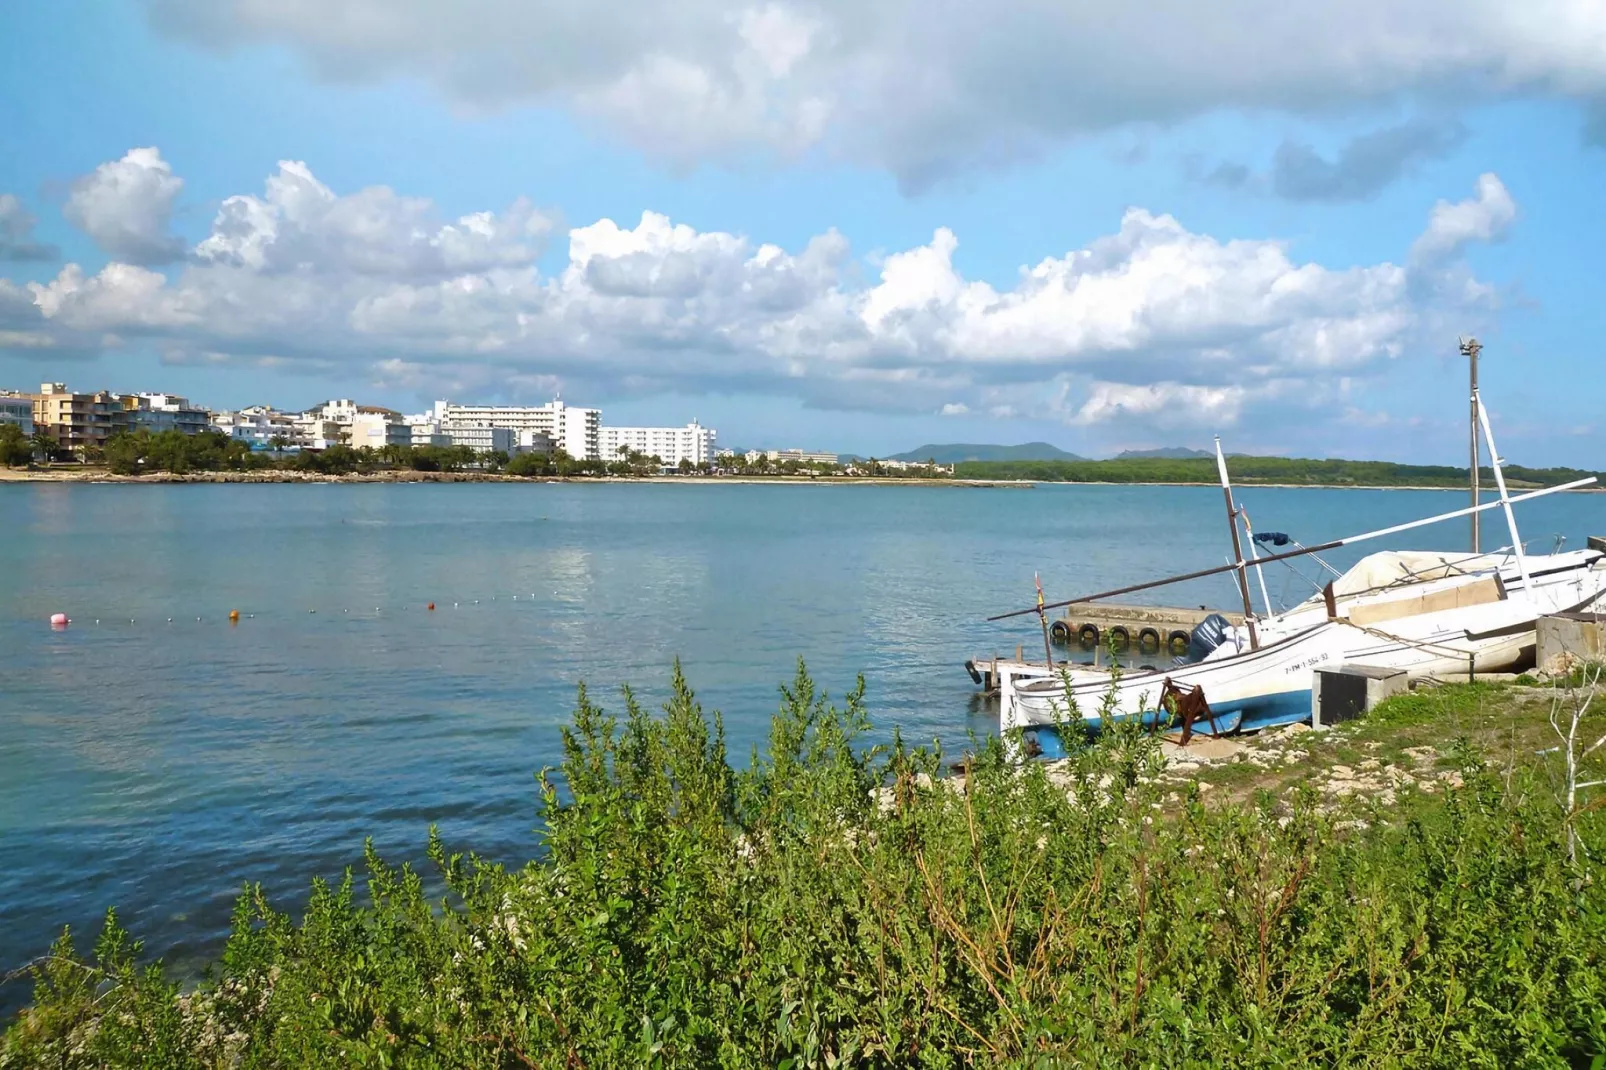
{"x":1231,"y":234}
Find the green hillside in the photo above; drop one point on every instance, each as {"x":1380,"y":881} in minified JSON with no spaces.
{"x":1165,"y":452}
{"x":960,"y":452}
{"x":1248,"y":470}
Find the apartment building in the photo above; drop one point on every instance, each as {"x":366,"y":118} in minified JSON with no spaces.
{"x":166,"y":412}
{"x":694,"y":443}
{"x":78,"y":421}
{"x":576,"y":431}
{"x":484,"y":439}
{"x":260,"y":426}
{"x":782,"y":456}
{"x":17,"y":409}
{"x":375,"y":428}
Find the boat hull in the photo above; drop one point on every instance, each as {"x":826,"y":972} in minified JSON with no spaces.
{"x":1271,"y":686}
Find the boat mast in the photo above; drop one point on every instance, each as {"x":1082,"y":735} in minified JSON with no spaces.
{"x":1254,"y":556}
{"x":1495,"y":462}
{"x":1237,"y":548}
{"x":1470,"y":348}
{"x":1303,"y":550}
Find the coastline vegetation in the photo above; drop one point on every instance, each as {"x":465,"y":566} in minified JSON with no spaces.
{"x":837,"y":904}
{"x":143,"y":451}
{"x":1249,"y":470}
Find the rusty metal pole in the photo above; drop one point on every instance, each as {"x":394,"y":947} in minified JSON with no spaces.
{"x":1237,"y":549}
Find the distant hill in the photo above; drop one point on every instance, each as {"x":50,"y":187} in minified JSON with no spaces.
{"x":957,"y":452}
{"x":1170,"y":453}
{"x":1288,"y":471}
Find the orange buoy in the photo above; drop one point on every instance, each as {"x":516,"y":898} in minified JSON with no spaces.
{"x":234,"y":616}
{"x":432,"y":605}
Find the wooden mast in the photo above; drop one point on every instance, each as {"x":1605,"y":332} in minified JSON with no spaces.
{"x":1237,"y":548}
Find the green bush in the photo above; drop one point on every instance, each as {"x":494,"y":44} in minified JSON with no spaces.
{"x":837,"y":904}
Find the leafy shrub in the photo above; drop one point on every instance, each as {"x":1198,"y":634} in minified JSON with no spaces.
{"x":837,"y":904}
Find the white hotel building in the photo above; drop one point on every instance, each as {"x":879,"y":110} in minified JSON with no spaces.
{"x":575,"y":431}
{"x":694,"y":443}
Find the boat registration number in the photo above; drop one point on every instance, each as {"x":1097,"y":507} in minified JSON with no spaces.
{"x":1308,"y":663}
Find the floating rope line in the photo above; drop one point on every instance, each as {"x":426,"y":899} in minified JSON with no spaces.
{"x":60,"y":621}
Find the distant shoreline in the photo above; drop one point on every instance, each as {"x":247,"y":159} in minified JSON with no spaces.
{"x":99,"y":475}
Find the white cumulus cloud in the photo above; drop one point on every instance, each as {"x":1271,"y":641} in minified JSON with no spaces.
{"x":924,"y":88}
{"x":1484,"y":217}
{"x":1150,"y":324}
{"x":126,"y":207}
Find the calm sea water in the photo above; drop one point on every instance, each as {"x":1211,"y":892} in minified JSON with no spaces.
{"x":159,"y":764}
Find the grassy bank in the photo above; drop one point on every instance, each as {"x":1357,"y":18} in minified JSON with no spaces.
{"x":1290,"y":471}
{"x":834,"y":904}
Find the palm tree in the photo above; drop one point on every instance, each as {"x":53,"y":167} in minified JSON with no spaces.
{"x":44,"y":444}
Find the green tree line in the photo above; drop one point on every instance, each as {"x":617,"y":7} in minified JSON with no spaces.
{"x":1248,"y":470}
{"x":837,"y":904}
{"x":142,"y":450}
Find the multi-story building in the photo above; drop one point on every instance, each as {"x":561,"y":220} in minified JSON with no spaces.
{"x":340,"y":411}
{"x":534,"y":442}
{"x":576,"y":431}
{"x":671,"y":445}
{"x":317,"y":433}
{"x":782,"y":456}
{"x":375,"y":428}
{"x":427,"y":434}
{"x":484,"y":439}
{"x":17,"y":409}
{"x":913,"y":466}
{"x":166,"y":412}
{"x":260,"y":426}
{"x":78,"y":421}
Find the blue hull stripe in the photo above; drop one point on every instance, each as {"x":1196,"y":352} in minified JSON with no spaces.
{"x":1247,"y":715}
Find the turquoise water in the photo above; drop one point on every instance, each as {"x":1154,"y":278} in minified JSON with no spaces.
{"x":159,"y":765}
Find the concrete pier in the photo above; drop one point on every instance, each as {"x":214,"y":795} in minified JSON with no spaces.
{"x":1146,"y":634}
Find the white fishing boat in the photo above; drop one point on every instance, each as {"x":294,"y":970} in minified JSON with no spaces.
{"x":1457,"y":626}
{"x":1429,"y":614}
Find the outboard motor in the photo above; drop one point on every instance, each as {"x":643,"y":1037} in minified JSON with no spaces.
{"x":1205,"y":637}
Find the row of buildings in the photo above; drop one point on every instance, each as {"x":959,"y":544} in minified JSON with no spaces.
{"x":79,"y":422}
{"x":85,"y":421}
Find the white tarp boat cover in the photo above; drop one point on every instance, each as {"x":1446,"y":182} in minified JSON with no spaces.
{"x":1392,"y":568}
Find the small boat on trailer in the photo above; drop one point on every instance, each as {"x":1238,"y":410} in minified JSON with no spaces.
{"x":1428,"y":614}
